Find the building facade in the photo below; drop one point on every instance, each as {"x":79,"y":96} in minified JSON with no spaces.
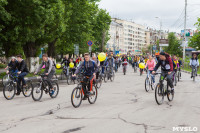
{"x":127,"y":36}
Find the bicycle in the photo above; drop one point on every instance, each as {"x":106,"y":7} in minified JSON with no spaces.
{"x":141,"y":71}
{"x":135,"y":67}
{"x":109,"y":74}
{"x":194,"y":72}
{"x":10,"y":88}
{"x":42,"y":85}
{"x":175,"y":78}
{"x":100,"y":79}
{"x":162,"y":90}
{"x":124,"y":69}
{"x":149,"y":82}
{"x":78,"y":93}
{"x":179,"y":73}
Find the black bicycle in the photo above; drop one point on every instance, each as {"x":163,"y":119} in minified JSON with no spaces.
{"x":163,"y":89}
{"x":10,"y":87}
{"x":179,"y":73}
{"x":194,"y":72}
{"x":78,"y":93}
{"x":41,"y":86}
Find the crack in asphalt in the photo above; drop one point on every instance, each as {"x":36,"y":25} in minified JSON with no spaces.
{"x":73,"y":130}
{"x":141,"y":124}
{"x":50,"y":112}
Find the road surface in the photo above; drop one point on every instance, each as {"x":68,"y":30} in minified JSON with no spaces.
{"x":122,"y":106}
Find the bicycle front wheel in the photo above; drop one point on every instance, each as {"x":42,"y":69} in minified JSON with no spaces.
{"x":92,"y":99}
{"x":28,"y":89}
{"x":9,"y":91}
{"x":112,"y":77}
{"x":159,"y":94}
{"x":147,"y":85}
{"x":37,"y":92}
{"x":105,"y":77}
{"x":76,"y":97}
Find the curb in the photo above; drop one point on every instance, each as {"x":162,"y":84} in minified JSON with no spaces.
{"x":189,"y":72}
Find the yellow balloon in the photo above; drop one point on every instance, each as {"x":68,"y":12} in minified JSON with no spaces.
{"x":58,"y":66}
{"x":142,"y":65}
{"x":71,"y":65}
{"x":102,"y":57}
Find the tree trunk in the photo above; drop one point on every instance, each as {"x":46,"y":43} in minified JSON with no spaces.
{"x":30,"y":50}
{"x":51,"y":48}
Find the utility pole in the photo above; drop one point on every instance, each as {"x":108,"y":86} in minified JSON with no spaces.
{"x":184,"y":40}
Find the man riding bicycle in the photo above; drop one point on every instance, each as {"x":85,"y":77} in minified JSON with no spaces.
{"x":90,"y":70}
{"x":49,"y":69}
{"x":194,"y":63}
{"x":166,"y":64}
{"x":22,"y":72}
{"x":12,"y":66}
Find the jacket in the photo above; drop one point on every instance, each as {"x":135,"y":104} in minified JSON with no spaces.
{"x":166,"y":66}
{"x":21,"y":66}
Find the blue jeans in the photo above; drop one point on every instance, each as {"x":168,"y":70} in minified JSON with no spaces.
{"x":152,"y":76}
{"x":21,"y":79}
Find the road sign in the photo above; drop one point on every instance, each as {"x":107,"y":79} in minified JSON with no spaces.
{"x":89,"y":43}
{"x":163,"y":42}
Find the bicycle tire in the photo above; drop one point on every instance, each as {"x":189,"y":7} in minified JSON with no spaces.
{"x":147,"y":85}
{"x":29,"y":87}
{"x":95,"y":98}
{"x":169,"y":94}
{"x":9,"y":87}
{"x":157,"y":90}
{"x":73,"y":96}
{"x":38,"y":88}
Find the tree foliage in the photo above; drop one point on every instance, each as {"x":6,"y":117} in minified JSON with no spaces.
{"x":174,"y":47}
{"x":194,"y":42}
{"x":28,"y":25}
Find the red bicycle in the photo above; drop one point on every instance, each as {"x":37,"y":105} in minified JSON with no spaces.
{"x":78,"y":94}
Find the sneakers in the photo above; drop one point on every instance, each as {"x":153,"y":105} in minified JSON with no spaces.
{"x":52,"y":91}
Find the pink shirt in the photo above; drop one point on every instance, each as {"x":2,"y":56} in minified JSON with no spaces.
{"x":151,"y":64}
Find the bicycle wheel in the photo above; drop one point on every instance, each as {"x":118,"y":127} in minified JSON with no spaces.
{"x":170,"y":95}
{"x":5,"y":80}
{"x":147,"y":84}
{"x":76,"y":97}
{"x":9,"y":91}
{"x":37,"y":92}
{"x":69,"y":79}
{"x":105,"y":77}
{"x":141,"y":70}
{"x":62,"y":76}
{"x":99,"y":82}
{"x":159,"y":94}
{"x":194,"y":75}
{"x":27,"y":90}
{"x":54,"y":93}
{"x":112,"y":77}
{"x":92,"y":98}
{"x":178,"y":76}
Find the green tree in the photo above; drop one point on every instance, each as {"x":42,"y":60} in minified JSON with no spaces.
{"x":194,"y":42}
{"x":174,"y":47}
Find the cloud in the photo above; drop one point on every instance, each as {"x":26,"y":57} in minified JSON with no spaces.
{"x":145,"y":11}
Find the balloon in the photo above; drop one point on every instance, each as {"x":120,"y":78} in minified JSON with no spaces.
{"x":71,"y":65}
{"x":58,"y":66}
{"x":142,"y":65}
{"x":102,"y":57}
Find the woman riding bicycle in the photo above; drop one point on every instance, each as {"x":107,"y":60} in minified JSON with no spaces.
{"x":151,"y":64}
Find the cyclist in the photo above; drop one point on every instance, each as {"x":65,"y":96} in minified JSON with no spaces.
{"x":12,"y":65}
{"x":166,"y":64}
{"x":94,"y":58}
{"x":90,"y":70}
{"x":22,"y":72}
{"x":125,"y":63}
{"x":49,"y":70}
{"x":72,"y":66}
{"x":151,"y":65}
{"x":194,"y":63}
{"x":65,"y":61}
{"x":116,"y":63}
{"x":109,"y":62}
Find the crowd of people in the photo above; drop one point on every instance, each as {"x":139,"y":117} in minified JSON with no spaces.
{"x":92,"y":67}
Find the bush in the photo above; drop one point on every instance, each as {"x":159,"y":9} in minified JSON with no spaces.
{"x":3,"y":65}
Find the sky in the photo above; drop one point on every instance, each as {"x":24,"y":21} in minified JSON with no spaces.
{"x":169,"y":12}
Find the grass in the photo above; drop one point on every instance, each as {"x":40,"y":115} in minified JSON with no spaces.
{"x":187,"y":68}
{"x":58,"y":72}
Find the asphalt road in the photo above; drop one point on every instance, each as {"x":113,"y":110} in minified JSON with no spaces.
{"x":122,"y":106}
